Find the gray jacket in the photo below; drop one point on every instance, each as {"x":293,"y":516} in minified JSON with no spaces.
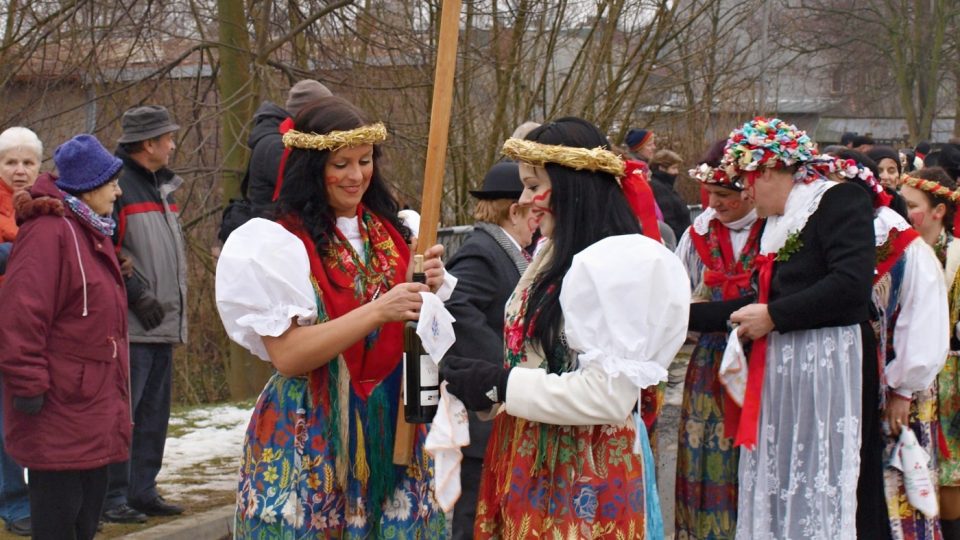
{"x":148,"y":232}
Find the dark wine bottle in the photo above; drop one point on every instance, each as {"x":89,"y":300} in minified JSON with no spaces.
{"x":421,"y":377}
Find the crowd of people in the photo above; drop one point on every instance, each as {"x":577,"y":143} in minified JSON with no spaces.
{"x":821,"y":398}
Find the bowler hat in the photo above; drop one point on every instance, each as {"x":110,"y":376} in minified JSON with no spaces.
{"x":501,"y":182}
{"x":84,"y":164}
{"x":145,"y":122}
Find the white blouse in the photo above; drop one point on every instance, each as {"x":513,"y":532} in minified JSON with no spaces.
{"x":263,"y":282}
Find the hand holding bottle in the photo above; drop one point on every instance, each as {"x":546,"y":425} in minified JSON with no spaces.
{"x":401,"y":303}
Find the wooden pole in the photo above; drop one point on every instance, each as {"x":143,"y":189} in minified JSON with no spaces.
{"x":434,"y":168}
{"x":433,"y":172}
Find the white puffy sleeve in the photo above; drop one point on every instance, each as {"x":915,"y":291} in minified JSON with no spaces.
{"x":263,"y":283}
{"x":921,"y":336}
{"x":625,"y":303}
{"x":690,"y":259}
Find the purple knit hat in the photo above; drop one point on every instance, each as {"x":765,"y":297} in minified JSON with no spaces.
{"x":84,"y":164}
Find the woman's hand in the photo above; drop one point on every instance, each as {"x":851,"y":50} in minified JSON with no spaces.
{"x":754,"y":321}
{"x":401,"y":303}
{"x":896,"y":413}
{"x":433,"y":267}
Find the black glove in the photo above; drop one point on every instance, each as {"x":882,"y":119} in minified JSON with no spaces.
{"x":477,"y":383}
{"x":28,"y":405}
{"x":148,"y":310}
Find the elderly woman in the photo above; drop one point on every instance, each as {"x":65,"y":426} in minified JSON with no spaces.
{"x":20,"y":155}
{"x":64,"y":330}
{"x":321,"y":294}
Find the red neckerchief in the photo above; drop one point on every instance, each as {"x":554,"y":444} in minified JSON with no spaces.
{"x":733,"y":277}
{"x":748,"y":418}
{"x":892,"y":249}
{"x":338,"y":272}
{"x":285,"y":126}
{"x":731,"y":274}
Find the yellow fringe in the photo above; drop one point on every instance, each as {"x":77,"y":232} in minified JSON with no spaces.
{"x":343,"y":395}
{"x":361,"y":470}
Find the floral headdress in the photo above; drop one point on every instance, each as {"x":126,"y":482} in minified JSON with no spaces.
{"x":335,"y":140}
{"x":589,"y":159}
{"x":766,"y":143}
{"x":714,"y":176}
{"x":850,"y":169}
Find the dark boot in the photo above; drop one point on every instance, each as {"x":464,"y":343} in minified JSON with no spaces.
{"x":950,"y":528}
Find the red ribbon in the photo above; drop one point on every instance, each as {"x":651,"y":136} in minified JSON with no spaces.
{"x":749,"y":417}
{"x":285,"y":126}
{"x":640,"y":197}
{"x":730,"y":284}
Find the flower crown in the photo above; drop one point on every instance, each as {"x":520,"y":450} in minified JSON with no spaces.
{"x":335,"y":140}
{"x":848,"y":169}
{"x":766,"y":143}
{"x":715,"y":176}
{"x":590,"y":159}
{"x":932,"y":187}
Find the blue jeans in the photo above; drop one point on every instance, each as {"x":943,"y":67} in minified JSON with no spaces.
{"x":14,"y":499}
{"x":151,"y":370}
{"x":5,"y":249}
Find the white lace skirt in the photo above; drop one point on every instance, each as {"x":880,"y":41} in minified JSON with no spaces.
{"x":801,"y":480}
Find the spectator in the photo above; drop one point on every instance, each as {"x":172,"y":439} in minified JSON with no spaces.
{"x":862,"y":143}
{"x":20,"y":155}
{"x":642,"y":144}
{"x":266,"y":142}
{"x":664,"y":168}
{"x":846,"y":139}
{"x":488,"y":266}
{"x":64,"y":334}
{"x":149,"y":235}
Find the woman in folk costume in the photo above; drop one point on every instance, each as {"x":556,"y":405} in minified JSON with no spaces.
{"x":931,"y":201}
{"x":912,"y":335}
{"x":322,"y":294}
{"x":718,"y":252}
{"x":805,"y":393}
{"x":597,"y":316}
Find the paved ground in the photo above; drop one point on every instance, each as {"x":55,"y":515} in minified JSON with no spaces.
{"x":667,"y":426}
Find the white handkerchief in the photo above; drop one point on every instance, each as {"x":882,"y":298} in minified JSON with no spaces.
{"x":912,"y":460}
{"x":435,"y":326}
{"x":733,"y":369}
{"x":448,"y":433}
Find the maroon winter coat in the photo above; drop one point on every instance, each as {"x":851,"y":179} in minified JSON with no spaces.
{"x":63,"y":330}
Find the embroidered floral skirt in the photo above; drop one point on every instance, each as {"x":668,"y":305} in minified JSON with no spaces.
{"x":906,"y":522}
{"x":289,"y":485}
{"x":948,"y":404}
{"x":706,"y":484}
{"x":549,"y":481}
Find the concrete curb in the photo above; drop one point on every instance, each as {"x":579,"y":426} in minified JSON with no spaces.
{"x":213,"y":524}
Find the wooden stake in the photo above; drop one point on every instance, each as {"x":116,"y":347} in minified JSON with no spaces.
{"x":433,"y":173}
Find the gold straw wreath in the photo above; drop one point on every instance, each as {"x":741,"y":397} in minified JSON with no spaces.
{"x":336,"y":140}
{"x":590,"y":159}
{"x":932,"y":187}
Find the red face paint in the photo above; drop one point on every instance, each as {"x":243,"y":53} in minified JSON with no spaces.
{"x":332,"y":179}
{"x":917,"y":218}
{"x":541,"y":203}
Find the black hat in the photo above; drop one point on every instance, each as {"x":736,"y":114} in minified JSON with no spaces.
{"x":145,"y":122}
{"x":501,"y":182}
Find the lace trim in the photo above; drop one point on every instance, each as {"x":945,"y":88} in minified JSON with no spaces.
{"x":803,"y":201}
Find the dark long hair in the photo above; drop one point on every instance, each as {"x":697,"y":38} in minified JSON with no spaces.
{"x":304,"y":191}
{"x":587,"y":207}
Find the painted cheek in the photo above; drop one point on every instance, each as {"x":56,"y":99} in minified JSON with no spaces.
{"x":331,"y":179}
{"x":917,"y":218}
{"x":541,"y":203}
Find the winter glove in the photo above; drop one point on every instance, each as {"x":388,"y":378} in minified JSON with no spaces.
{"x":477,"y":383}
{"x":148,"y":310}
{"x":28,"y":405}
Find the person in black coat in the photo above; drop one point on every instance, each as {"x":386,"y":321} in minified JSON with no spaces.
{"x":820,"y":362}
{"x":488,"y":266}
{"x":664,"y":169}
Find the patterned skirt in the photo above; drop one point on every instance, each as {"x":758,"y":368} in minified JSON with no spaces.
{"x":948,"y":406}
{"x":289,"y":485}
{"x":706,"y":484}
{"x":906,"y":522}
{"x":549,"y":481}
